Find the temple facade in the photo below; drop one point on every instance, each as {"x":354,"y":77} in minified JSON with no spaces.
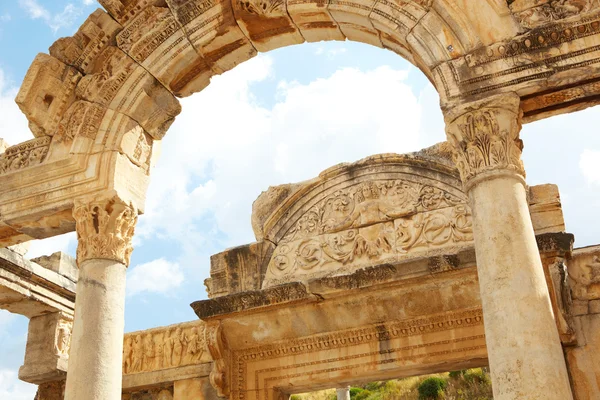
{"x":393,"y":266}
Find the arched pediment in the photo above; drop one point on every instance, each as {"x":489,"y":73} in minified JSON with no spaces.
{"x":383,"y":209}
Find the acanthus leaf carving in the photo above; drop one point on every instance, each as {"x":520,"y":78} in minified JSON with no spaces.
{"x":105,"y":229}
{"x":485,"y":137}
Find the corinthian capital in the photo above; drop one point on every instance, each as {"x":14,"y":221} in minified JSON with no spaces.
{"x":485,"y":138}
{"x":104,"y":229}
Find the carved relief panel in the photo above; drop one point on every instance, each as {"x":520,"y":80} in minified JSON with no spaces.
{"x":367,"y":219}
{"x":370,"y":224}
{"x":584,"y":274}
{"x":163,"y":348}
{"x":534,"y":13}
{"x":27,"y":154}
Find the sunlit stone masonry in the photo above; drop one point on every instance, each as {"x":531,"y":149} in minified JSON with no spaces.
{"x":393,"y":266}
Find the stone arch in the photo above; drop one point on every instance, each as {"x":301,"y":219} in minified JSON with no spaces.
{"x":101,"y":101}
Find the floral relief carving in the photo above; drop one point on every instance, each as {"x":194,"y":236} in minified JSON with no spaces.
{"x":26,"y":154}
{"x":547,"y":11}
{"x":369,"y":224}
{"x":486,"y":138}
{"x":104,"y":230}
{"x":159,"y":349}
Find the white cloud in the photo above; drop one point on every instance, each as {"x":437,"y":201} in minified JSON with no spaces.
{"x":218,"y":157}
{"x":158,"y":276}
{"x":63,"y":19}
{"x":14,"y":389}
{"x":88,"y":2}
{"x":45,"y":247}
{"x":589,"y":163}
{"x":13,"y":124}
{"x":34,"y":9}
{"x":5,"y":18}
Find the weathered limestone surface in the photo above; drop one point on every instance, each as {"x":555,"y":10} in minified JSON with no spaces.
{"x":521,"y":334}
{"x":104,"y":231}
{"x":583,"y":359}
{"x":385,"y":208}
{"x":30,"y":289}
{"x":119,"y":76}
{"x":99,"y":104}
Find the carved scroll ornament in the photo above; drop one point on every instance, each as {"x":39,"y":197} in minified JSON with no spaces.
{"x":215,"y":341}
{"x":485,"y":137}
{"x":104,"y":230}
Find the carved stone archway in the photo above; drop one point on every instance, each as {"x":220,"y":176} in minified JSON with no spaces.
{"x":100,"y":103}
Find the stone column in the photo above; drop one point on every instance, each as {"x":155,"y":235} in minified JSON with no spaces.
{"x":343,"y":393}
{"x":525,"y":354}
{"x":104,"y":229}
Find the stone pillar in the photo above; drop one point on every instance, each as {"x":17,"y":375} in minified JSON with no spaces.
{"x":525,"y":354}
{"x":104,"y":229}
{"x":343,"y":393}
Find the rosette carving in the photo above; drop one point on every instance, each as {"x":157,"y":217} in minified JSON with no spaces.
{"x":104,"y":230}
{"x":485,"y":137}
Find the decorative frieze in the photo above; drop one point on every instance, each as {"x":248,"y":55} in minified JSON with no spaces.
{"x":104,"y":230}
{"x":26,"y":154}
{"x":164,"y":348}
{"x":485,"y":137}
{"x":534,"y":13}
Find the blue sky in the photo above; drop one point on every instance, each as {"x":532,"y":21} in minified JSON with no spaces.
{"x":281,"y":117}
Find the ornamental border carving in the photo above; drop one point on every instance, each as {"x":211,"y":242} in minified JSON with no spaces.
{"x":346,"y":338}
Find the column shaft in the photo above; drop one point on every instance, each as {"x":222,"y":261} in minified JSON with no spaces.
{"x":95,"y":362}
{"x":105,"y":228}
{"x":524,"y":349}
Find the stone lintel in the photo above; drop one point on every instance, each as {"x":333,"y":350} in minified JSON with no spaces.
{"x":389,"y":273}
{"x":157,"y":378}
{"x":29,"y":289}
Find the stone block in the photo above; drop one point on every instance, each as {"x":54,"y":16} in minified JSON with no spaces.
{"x":47,"y":91}
{"x":580,"y":307}
{"x":46,"y":354}
{"x":267,"y":23}
{"x":239,"y":269}
{"x":194,"y":389}
{"x":60,"y":263}
{"x":212,"y":29}
{"x":314,"y":20}
{"x":97,"y":32}
{"x":594,"y":307}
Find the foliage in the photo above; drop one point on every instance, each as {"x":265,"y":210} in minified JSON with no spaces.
{"x":470,"y":384}
{"x":432,"y":388}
